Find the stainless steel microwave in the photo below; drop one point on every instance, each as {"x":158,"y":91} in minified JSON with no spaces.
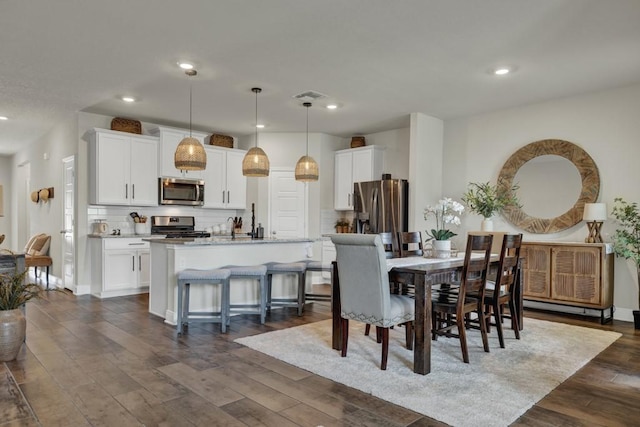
{"x":179,"y":191}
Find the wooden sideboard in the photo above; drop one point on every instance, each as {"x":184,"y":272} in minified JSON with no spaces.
{"x":572,"y":274}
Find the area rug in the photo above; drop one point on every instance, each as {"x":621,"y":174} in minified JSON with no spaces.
{"x":493,"y":389}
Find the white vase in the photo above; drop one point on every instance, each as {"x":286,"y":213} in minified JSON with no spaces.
{"x":441,"y":248}
{"x":487,"y":224}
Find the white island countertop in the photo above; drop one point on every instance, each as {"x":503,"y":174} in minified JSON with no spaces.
{"x":212,"y":241}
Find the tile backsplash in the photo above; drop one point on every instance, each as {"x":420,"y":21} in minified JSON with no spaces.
{"x":117,"y":217}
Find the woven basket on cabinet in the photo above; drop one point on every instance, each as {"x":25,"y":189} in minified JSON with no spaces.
{"x":126,"y":125}
{"x":357,"y":141}
{"x":221,"y":140}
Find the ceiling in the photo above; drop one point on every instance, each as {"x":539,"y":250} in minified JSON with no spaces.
{"x":378,"y":59}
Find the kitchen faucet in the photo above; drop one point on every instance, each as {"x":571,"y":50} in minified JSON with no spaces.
{"x":233,"y":228}
{"x":253,"y":221}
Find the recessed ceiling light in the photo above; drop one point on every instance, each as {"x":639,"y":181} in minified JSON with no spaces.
{"x":332,"y":106}
{"x":4,"y":118}
{"x":128,"y":99}
{"x":259,"y":126}
{"x":501,"y":71}
{"x":185,"y":65}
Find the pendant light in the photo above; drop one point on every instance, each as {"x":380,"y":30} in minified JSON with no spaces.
{"x":190,"y":154}
{"x":307,"y":168}
{"x":255,"y":162}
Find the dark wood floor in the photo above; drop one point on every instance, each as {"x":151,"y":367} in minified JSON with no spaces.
{"x":110,"y":363}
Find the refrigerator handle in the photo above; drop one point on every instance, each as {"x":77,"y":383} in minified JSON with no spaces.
{"x":373,"y":219}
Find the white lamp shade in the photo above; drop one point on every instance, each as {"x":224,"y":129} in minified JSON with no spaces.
{"x":595,"y":212}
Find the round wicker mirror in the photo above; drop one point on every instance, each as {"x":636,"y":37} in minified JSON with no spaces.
{"x":581,"y":160}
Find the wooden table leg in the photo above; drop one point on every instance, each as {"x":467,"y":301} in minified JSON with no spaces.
{"x":518,"y":291}
{"x":422,"y":344}
{"x":336,"y":331}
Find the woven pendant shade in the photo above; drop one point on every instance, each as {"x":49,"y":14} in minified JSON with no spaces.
{"x":190,"y":155}
{"x":306,"y":169}
{"x":255,"y":163}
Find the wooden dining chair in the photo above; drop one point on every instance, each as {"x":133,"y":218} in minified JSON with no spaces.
{"x":500,"y":292}
{"x":364,"y":290}
{"x":390,"y":245}
{"x":410,"y":243}
{"x":449,"y":310}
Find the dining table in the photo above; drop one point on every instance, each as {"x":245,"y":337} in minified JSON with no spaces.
{"x":425,"y":273}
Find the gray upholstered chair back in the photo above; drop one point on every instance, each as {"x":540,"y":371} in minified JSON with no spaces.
{"x":364,"y":280}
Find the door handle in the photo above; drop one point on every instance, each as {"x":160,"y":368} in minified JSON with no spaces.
{"x":133,"y":263}
{"x":222,"y":196}
{"x":126,"y":191}
{"x":140,"y":262}
{"x":228,"y":197}
{"x":133,"y":191}
{"x":66,"y":231}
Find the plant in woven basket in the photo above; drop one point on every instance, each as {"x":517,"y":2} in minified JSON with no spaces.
{"x":626,"y":239}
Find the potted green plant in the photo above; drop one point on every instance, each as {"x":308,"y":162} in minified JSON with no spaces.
{"x":626,"y":239}
{"x":486,"y":200}
{"x":342,"y":225}
{"x":14,"y":293}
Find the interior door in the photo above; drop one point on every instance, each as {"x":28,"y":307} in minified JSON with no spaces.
{"x":68,"y":203}
{"x":287,"y":205}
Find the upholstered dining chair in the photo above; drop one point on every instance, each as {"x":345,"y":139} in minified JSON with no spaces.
{"x":449,"y":310}
{"x":501,"y":292}
{"x":364,"y":290}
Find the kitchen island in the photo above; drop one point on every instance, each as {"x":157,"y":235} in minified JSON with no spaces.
{"x":169,"y":256}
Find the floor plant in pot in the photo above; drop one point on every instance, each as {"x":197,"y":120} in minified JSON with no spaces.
{"x":14,"y":293}
{"x":626,"y":239}
{"x":486,"y":200}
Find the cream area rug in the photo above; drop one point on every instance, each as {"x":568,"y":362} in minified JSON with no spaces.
{"x":494,"y":389}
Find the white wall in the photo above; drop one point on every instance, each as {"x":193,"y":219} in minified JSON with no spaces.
{"x":605,"y":124}
{"x":45,"y":159}
{"x":5,"y":181}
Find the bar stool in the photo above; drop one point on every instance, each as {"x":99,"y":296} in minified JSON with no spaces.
{"x":253,"y":272}
{"x":291,"y":268}
{"x":189,"y":277}
{"x":315,"y":267}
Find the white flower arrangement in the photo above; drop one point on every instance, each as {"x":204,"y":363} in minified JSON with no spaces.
{"x":447,"y":211}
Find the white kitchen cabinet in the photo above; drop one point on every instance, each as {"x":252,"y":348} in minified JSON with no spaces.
{"x":123,"y":169}
{"x":225,"y":187}
{"x":355,"y":165}
{"x":328,"y":256}
{"x":169,"y":140}
{"x":120,"y":266}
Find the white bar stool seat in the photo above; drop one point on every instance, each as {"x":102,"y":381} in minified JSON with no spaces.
{"x":253,"y":272}
{"x":317,"y":267}
{"x":191,"y":277}
{"x":292,"y":268}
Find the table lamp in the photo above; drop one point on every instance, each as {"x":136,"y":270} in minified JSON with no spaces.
{"x":594,"y":214}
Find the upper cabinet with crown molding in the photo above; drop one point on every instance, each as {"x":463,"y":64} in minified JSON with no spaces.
{"x":225,"y":185}
{"x":355,"y":165}
{"x":123,"y":169}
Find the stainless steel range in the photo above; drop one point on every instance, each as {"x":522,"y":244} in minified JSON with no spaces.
{"x":176,"y":227}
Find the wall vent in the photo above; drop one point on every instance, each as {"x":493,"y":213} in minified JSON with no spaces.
{"x":309,"y":95}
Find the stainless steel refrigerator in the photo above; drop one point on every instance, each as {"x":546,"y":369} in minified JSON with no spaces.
{"x":381,"y":206}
